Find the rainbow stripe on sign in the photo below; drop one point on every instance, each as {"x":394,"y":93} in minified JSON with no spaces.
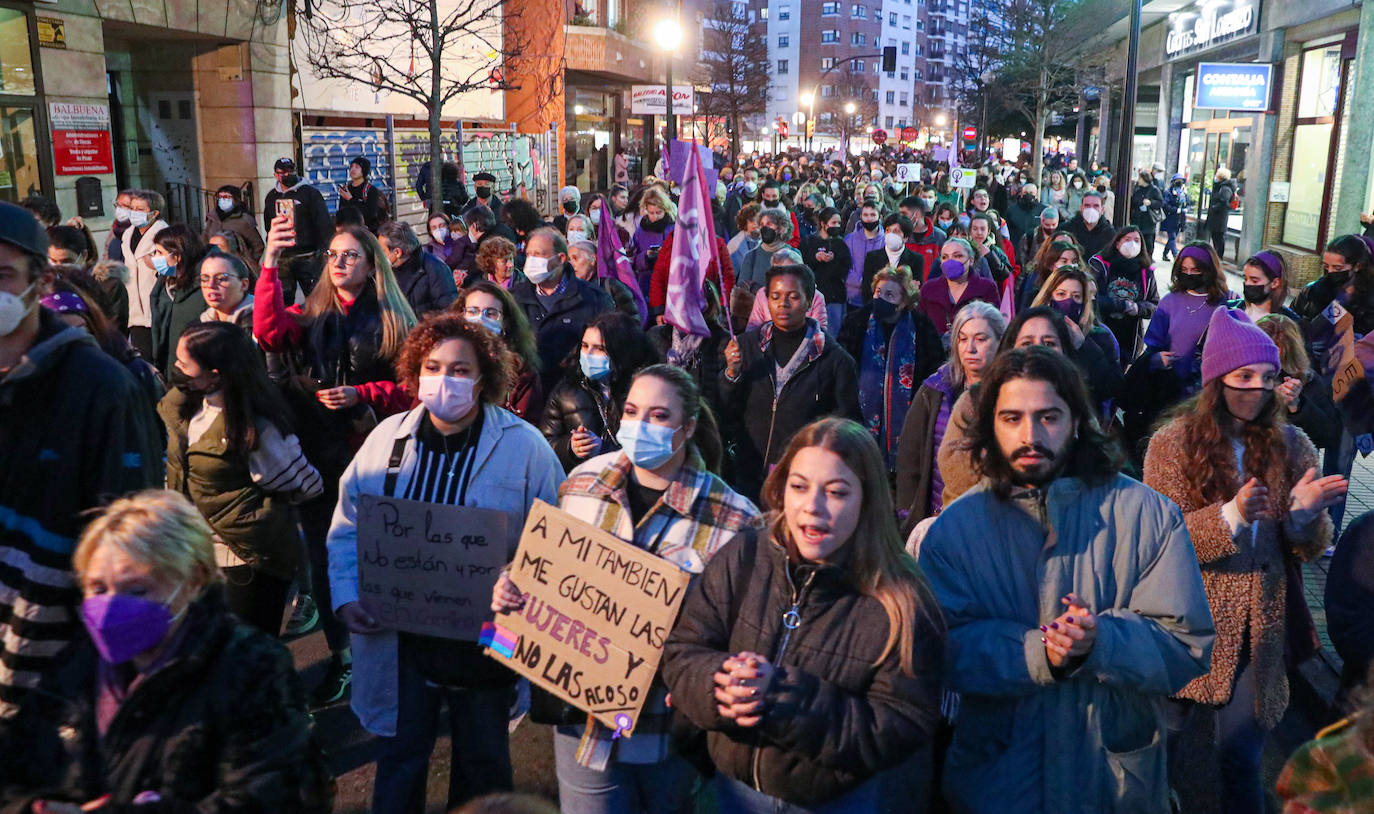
{"x":497,"y":638}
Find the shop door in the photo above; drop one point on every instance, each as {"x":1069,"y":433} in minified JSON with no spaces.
{"x":1214,"y":143}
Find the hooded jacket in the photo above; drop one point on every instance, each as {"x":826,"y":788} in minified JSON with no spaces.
{"x":240,"y":223}
{"x":75,"y":430}
{"x":220,"y":726}
{"x":314,"y":226}
{"x":427,"y":283}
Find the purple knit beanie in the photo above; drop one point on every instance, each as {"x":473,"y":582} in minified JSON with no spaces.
{"x":1233,"y":341}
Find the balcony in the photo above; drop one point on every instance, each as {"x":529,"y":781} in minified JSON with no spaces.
{"x":607,"y":54}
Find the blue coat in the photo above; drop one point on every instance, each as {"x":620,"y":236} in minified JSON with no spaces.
{"x":1092,"y":741}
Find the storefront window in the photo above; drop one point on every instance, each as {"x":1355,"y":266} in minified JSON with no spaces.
{"x":19,"y":175}
{"x":1314,"y":134}
{"x":16,"y":64}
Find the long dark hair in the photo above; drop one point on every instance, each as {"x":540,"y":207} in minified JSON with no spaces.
{"x":627,"y":346}
{"x":1057,"y":319}
{"x":706,"y":439}
{"x":1093,"y":457}
{"x":1356,"y":252}
{"x":1211,"y":269}
{"x":249,"y":396}
{"x":515,"y":327}
{"x":180,"y":239}
{"x":1208,"y":428}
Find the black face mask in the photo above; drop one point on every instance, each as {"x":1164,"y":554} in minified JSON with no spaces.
{"x":1193,"y":282}
{"x":883,"y":311}
{"x":834,"y":231}
{"x":870,"y":225}
{"x":768,"y":234}
{"x":776,"y":203}
{"x":570,"y":207}
{"x":1340,"y":278}
{"x":290,"y":181}
{"x":183,"y":383}
{"x":1256,"y":294}
{"x":484,"y":192}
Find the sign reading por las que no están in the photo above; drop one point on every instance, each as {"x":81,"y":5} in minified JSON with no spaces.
{"x":429,"y":568}
{"x":597,"y":612}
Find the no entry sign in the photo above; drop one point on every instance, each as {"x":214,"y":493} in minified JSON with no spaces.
{"x":970,"y":134}
{"x":879,"y":136}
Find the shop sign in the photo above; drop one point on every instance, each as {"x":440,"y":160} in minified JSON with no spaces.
{"x":647,"y":100}
{"x":1208,"y":24}
{"x":1233,"y":86}
{"x":81,"y":138}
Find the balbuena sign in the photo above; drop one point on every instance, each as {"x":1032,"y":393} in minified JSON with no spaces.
{"x":1203,"y":26}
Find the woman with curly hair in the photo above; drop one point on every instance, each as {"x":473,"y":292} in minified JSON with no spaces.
{"x":496,"y":262}
{"x":458,"y":447}
{"x":491,"y":306}
{"x":1248,"y":485}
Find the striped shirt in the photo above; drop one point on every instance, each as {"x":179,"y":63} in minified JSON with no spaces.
{"x":444,"y":463}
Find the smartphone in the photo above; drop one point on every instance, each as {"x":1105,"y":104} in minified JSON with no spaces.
{"x":287,"y":207}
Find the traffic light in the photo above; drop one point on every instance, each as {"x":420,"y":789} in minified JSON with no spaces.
{"x":889,"y":58}
{"x":810,"y":128}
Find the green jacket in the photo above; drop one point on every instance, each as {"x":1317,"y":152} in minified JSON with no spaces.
{"x":171,"y":314}
{"x":259,"y":527}
{"x":1091,"y":741}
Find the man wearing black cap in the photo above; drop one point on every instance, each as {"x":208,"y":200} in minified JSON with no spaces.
{"x":314,"y":227}
{"x":360,"y":194}
{"x":75,"y":430}
{"x":484,"y":185}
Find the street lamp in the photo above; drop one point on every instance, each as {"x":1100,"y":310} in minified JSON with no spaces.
{"x":940,"y":120}
{"x":668,"y":35}
{"x":849,"y":109}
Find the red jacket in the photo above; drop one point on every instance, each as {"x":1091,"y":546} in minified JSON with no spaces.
{"x":658,"y":284}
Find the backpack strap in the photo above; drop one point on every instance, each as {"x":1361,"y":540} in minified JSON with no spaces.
{"x":393,"y":465}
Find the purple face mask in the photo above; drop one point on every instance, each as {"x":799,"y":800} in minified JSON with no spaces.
{"x":1071,"y":309}
{"x":953,"y":269}
{"x":123,"y":626}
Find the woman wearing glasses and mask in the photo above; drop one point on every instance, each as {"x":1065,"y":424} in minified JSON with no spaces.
{"x":491,"y":306}
{"x":340,"y":347}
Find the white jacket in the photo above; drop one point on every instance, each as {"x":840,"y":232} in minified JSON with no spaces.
{"x":525,"y":469}
{"x":142,"y":278}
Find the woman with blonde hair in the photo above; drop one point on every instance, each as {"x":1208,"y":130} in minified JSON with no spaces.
{"x":1072,"y":292}
{"x":340,"y":346}
{"x":657,"y":213}
{"x":811,"y":653}
{"x":1062,"y":250}
{"x":170,"y":700}
{"x":895,"y":347}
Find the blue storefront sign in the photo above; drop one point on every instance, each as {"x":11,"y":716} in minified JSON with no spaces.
{"x":1233,"y":86}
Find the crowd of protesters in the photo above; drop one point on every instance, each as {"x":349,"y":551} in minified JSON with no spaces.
{"x":976,"y":517}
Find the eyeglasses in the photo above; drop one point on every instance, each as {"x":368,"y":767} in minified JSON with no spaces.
{"x":218,"y":280}
{"x":349,"y":257}
{"x":473,"y":312}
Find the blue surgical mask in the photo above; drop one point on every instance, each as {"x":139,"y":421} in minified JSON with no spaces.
{"x":595,"y":367}
{"x":493,"y":325}
{"x":648,"y":446}
{"x":162,"y":267}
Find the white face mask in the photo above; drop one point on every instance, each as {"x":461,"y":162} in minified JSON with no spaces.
{"x":537,"y":269}
{"x":440,"y":234}
{"x":1129,"y":249}
{"x":138,"y":218}
{"x":121,"y":214}
{"x":576,"y":236}
{"x":595,"y":215}
{"x":1091,"y":216}
{"x":449,"y":398}
{"x":893,"y":242}
{"x":13,"y":310}
{"x":224,"y":204}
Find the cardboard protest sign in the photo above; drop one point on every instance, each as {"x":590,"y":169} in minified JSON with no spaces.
{"x":597,"y":612}
{"x":1345,"y":368}
{"x":429,"y":568}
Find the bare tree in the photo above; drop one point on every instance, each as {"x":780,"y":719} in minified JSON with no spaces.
{"x":976,"y":65}
{"x":1037,"y":71}
{"x":432,"y":51}
{"x":850,"y":87}
{"x":735,"y":63}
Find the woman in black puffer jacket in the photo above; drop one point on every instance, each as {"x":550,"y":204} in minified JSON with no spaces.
{"x":582,"y":414}
{"x":812,"y":655}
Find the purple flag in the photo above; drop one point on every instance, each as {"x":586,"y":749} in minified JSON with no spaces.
{"x":611,"y":260}
{"x":678,"y":152}
{"x":693,"y":245}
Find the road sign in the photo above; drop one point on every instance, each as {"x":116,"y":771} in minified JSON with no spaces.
{"x":909,"y":133}
{"x":879,"y":136}
{"x":970,"y":133}
{"x":961,"y":178}
{"x":782,"y":128}
{"x":908,"y":174}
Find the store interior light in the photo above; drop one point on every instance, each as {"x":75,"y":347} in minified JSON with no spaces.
{"x":578,"y":110}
